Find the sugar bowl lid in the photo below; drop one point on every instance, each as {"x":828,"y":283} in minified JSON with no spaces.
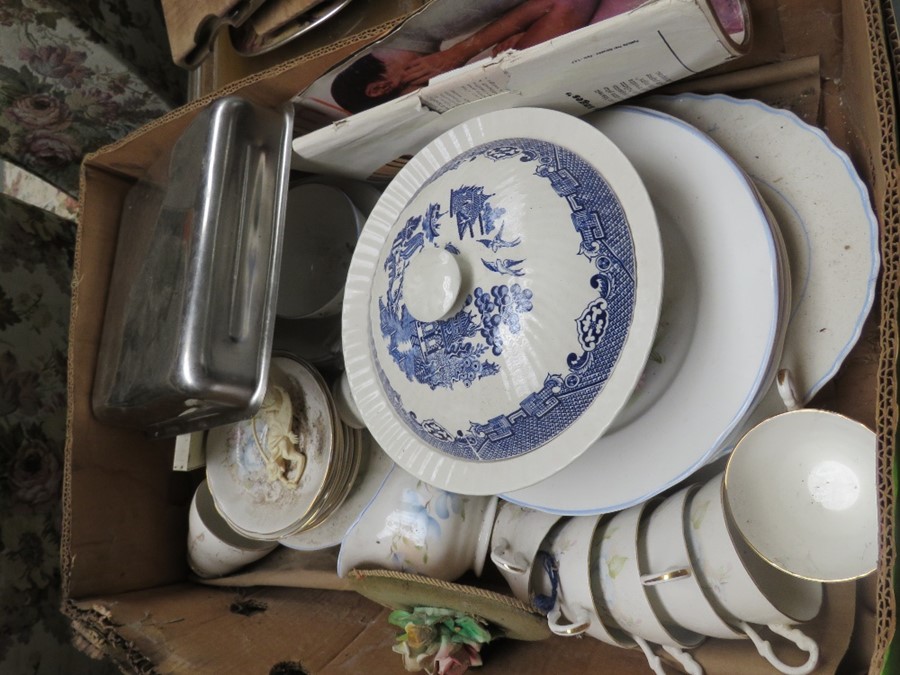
{"x":502,"y":300}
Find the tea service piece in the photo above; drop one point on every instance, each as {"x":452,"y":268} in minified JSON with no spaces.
{"x":712,"y":357}
{"x":743,"y":586}
{"x":412,"y":526}
{"x":268,"y":473}
{"x":541,"y":243}
{"x":343,"y":401}
{"x":800,"y":489}
{"x":214,"y":548}
{"x":517,"y":537}
{"x":373,"y":471}
{"x":624,"y":595}
{"x":826,"y":217}
{"x":674,"y":588}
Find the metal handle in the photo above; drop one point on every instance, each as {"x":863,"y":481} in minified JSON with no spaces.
{"x":499,"y":554}
{"x":668,"y":575}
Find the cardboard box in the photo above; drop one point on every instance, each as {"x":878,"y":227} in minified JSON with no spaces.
{"x":125,"y":578}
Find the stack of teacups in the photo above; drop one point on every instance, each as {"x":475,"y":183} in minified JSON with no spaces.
{"x":749,"y":547}
{"x":664,"y":573}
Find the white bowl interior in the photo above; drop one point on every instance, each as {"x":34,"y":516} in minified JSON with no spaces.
{"x":800,"y":488}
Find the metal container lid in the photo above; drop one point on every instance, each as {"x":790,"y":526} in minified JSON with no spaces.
{"x":190,"y":313}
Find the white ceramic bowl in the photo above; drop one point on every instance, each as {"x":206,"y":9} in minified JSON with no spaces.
{"x":502,"y":300}
{"x":320,"y":230}
{"x":412,"y":526}
{"x":801,"y":490}
{"x":214,"y":548}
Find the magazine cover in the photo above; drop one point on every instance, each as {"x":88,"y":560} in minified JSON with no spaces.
{"x":448,"y":34}
{"x":455,"y":59}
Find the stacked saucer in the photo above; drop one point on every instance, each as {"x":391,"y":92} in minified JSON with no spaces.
{"x":290,"y":466}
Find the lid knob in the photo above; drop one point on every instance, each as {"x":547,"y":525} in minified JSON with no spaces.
{"x":431,"y":284}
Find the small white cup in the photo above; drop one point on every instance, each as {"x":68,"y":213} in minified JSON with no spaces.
{"x":412,"y":526}
{"x":214,"y":548}
{"x":676,"y":592}
{"x":743,"y":587}
{"x":576,"y":612}
{"x":516,"y":539}
{"x":346,"y":406}
{"x":624,"y":595}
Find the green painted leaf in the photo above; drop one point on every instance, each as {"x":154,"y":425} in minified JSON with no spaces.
{"x":615,"y":565}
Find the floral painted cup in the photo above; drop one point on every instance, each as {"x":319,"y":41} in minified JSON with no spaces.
{"x":623,"y":596}
{"x":743,"y":587}
{"x":576,"y":610}
{"x":411,"y":526}
{"x":674,"y":588}
{"x":214,"y":548}
{"x":517,"y":537}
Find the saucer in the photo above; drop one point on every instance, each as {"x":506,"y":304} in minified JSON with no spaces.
{"x":376,"y":465}
{"x":718,"y":331}
{"x":823,"y":209}
{"x":502,"y":300}
{"x":251,"y":500}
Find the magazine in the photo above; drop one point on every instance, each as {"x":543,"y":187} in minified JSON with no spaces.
{"x":458,"y":58}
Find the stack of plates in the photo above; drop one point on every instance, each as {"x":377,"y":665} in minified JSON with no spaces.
{"x":292,"y":465}
{"x":770,"y":259}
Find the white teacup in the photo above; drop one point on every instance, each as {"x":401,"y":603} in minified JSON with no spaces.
{"x":517,"y":536}
{"x":344,"y":403}
{"x":675,"y":591}
{"x":743,"y":585}
{"x":800,"y":489}
{"x":321,"y":227}
{"x":214,"y":548}
{"x":412,"y":526}
{"x":624,"y":596}
{"x":576,"y":612}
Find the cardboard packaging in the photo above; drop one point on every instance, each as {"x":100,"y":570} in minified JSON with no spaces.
{"x":125,"y":578}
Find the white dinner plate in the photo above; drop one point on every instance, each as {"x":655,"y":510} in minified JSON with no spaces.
{"x":826,"y":218}
{"x":542,"y":238}
{"x":718,"y":330}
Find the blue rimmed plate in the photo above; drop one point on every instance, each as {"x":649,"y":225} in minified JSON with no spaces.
{"x":718,"y":334}
{"x":502,"y":301}
{"x":825,"y":215}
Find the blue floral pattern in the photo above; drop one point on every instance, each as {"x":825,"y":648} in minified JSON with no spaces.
{"x":463,"y":348}
{"x":418,"y":522}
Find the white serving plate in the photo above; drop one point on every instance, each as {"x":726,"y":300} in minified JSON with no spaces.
{"x":826,"y":218}
{"x":718,"y":331}
{"x":566,"y":214}
{"x":372,"y":474}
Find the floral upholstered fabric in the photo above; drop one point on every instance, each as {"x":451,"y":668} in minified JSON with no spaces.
{"x":63,"y":91}
{"x":36,"y":249}
{"x":74,"y":76}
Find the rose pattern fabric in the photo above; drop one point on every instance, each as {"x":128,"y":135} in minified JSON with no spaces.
{"x":36,"y":250}
{"x":63,"y":93}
